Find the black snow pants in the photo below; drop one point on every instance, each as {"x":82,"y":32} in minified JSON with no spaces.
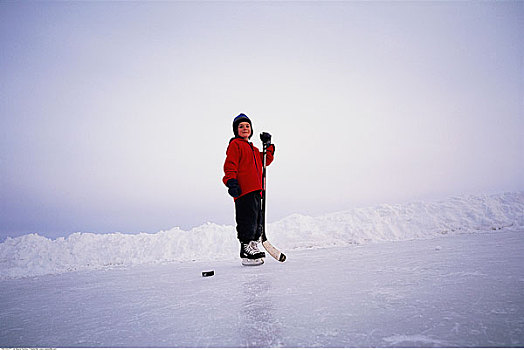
{"x":248,"y":217}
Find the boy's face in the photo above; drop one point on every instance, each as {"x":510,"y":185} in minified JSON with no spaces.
{"x":244,"y":130}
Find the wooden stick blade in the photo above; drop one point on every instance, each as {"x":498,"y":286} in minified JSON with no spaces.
{"x":274,"y":252}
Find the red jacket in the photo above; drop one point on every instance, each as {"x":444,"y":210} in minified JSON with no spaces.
{"x":244,"y":163}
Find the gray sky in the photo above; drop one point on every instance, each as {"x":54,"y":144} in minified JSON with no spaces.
{"x":115,"y":116}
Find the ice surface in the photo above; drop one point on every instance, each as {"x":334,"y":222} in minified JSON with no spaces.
{"x":34,"y":255}
{"x":435,"y":274}
{"x":453,"y":290}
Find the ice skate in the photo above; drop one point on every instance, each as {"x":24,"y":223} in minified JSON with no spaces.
{"x":254,"y":246}
{"x":252,"y":262}
{"x":250,"y":251}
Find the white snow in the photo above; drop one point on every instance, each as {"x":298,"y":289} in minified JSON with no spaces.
{"x":467,"y":293}
{"x":34,"y":255}
{"x":389,"y":276}
{"x":441,"y":274}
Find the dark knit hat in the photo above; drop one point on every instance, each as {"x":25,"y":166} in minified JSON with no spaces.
{"x":239,"y":119}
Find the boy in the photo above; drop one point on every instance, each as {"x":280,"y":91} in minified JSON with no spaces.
{"x":243,"y":177}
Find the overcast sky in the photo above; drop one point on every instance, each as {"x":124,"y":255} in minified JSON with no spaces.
{"x":115,"y":116}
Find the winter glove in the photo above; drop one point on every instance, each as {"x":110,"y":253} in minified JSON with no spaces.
{"x":265,"y":137}
{"x":233,"y":188}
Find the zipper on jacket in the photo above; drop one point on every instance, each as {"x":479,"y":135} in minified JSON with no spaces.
{"x":254,"y":155}
{"x":255,"y":158}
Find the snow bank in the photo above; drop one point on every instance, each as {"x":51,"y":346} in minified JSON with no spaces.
{"x":33,"y":255}
{"x":402,"y":222}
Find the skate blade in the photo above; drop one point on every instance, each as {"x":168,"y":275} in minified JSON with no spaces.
{"x":252,"y":262}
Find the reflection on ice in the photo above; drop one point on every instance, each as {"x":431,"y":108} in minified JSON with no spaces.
{"x":258,"y":326}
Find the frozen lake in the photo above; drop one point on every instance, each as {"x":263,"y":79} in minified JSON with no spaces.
{"x":452,"y":291}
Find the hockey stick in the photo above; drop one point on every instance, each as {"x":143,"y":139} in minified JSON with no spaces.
{"x":274,"y":252}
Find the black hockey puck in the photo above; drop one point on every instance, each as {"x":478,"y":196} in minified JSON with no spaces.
{"x":208,"y":273}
